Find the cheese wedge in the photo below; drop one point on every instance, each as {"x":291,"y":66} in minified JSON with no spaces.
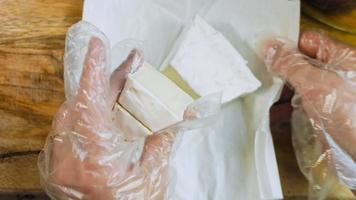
{"x":129,"y":126}
{"x":153,"y":99}
{"x":204,"y":62}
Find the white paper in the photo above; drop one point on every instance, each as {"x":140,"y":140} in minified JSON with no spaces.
{"x":238,"y":162}
{"x":208,"y":63}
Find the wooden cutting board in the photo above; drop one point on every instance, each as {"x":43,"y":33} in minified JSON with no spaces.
{"x":32,"y":37}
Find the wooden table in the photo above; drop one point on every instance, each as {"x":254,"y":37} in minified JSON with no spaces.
{"x":31,"y":90}
{"x":32,"y":37}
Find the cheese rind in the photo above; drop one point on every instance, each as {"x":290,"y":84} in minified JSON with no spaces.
{"x":174,"y":76}
{"x":153,"y":99}
{"x":204,"y":60}
{"x":129,"y":126}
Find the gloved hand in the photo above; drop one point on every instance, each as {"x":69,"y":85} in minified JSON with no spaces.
{"x":327,"y":85}
{"x":87,"y":157}
{"x":323,"y":75}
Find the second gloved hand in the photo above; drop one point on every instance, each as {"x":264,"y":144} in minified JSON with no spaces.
{"x":325,"y":84}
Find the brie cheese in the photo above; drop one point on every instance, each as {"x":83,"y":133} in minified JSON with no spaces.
{"x":153,"y":99}
{"x":129,"y":126}
{"x":204,"y":62}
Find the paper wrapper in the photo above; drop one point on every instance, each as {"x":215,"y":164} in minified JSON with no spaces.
{"x":239,"y":162}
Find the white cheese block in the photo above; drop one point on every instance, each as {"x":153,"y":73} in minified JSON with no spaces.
{"x":206,"y":62}
{"x":153,"y":99}
{"x":129,"y":126}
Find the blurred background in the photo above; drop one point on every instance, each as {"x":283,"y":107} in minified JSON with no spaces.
{"x":32,"y":37}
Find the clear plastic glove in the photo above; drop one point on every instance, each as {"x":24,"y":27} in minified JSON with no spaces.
{"x":87,"y":157}
{"x":324,"y":80}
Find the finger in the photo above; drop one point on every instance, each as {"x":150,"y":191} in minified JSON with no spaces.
{"x":118,"y":78}
{"x":93,"y":76}
{"x":282,"y":59}
{"x":157,"y":149}
{"x":295,"y":68}
{"x":309,"y":43}
{"x":322,"y":47}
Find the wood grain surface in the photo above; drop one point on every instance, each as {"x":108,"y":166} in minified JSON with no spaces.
{"x":31,"y":83}
{"x":32,"y":34}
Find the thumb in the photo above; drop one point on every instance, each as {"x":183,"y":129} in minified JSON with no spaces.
{"x":118,"y":78}
{"x":157,"y":149}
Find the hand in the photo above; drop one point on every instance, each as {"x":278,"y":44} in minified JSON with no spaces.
{"x":86,"y":156}
{"x":326,"y":84}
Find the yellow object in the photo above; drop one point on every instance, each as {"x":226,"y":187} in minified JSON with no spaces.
{"x":311,"y":24}
{"x":342,"y":19}
{"x":172,"y":74}
{"x":339,"y":24}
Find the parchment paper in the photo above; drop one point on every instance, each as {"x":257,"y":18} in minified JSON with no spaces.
{"x":238,"y":162}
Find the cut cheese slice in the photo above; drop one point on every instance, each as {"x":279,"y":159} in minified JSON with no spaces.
{"x":204,"y":62}
{"x":153,"y":99}
{"x":129,"y":126}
